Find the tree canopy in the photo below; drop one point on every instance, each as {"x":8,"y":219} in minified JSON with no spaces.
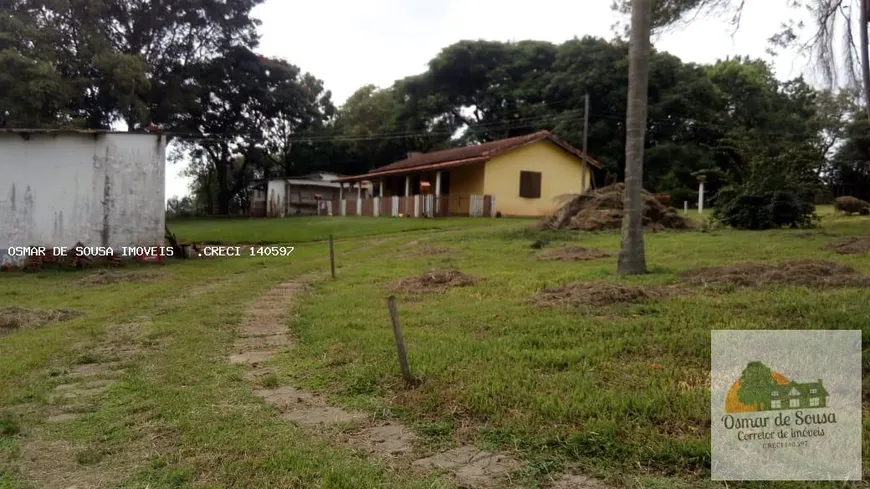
{"x":193,"y":69}
{"x":721,"y":117}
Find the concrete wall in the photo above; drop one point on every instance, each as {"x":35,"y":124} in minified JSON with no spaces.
{"x":100,"y":189}
{"x":561,"y":173}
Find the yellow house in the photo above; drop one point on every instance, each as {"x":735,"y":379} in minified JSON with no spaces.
{"x":525,"y":175}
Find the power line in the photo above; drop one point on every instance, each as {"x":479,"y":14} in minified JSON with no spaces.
{"x":519,"y":123}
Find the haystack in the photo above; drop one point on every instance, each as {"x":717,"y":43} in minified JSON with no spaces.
{"x":602,"y":209}
{"x":850,"y":205}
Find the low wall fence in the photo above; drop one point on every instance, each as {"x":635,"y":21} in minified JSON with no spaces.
{"x":424,"y":205}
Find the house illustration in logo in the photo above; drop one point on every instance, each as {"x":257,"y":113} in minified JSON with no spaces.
{"x":761,"y":389}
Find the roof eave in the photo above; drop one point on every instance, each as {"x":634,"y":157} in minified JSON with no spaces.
{"x":543,"y":135}
{"x":415,"y":169}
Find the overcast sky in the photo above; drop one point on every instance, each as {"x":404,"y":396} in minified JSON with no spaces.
{"x":347,"y":43}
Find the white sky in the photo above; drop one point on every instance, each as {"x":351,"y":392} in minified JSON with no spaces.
{"x":347,"y":43}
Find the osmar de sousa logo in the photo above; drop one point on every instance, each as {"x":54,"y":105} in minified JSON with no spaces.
{"x":760,"y":389}
{"x":785,"y":405}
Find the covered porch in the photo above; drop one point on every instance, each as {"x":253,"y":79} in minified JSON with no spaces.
{"x":456,"y":191}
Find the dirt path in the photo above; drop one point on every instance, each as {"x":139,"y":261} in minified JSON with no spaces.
{"x":265,"y":333}
{"x":47,"y":462}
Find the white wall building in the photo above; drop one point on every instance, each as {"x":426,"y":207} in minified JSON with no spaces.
{"x":100,"y":188}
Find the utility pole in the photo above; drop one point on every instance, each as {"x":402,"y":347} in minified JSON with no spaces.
{"x":585,"y":139}
{"x":586,"y":125}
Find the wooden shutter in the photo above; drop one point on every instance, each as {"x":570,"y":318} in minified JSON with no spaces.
{"x":530,"y":184}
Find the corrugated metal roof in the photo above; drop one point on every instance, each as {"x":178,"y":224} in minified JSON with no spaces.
{"x":467,"y":155}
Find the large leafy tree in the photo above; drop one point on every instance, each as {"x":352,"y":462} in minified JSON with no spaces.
{"x":248,"y":115}
{"x":547,"y":91}
{"x":32,"y":90}
{"x":370,"y":131}
{"x":849,"y":170}
{"x":96,"y":62}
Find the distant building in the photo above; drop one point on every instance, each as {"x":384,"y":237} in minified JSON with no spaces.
{"x":100,"y":188}
{"x":296,"y":196}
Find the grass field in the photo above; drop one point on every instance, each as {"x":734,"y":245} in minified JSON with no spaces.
{"x":559,"y":386}
{"x":301,"y":229}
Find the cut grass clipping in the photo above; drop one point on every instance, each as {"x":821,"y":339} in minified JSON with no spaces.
{"x":806,"y":273}
{"x":574,"y":253}
{"x":597,"y":294}
{"x":434,"y":281}
{"x":14,"y":318}
{"x":851,"y":246}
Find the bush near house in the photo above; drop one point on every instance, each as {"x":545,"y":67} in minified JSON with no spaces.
{"x":680,"y":195}
{"x":767,"y":202}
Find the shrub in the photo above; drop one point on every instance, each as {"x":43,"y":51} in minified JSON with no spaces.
{"x":824,"y":197}
{"x":680,"y":195}
{"x":746,"y":207}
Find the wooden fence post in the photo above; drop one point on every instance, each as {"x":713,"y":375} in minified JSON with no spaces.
{"x":331,"y":257}
{"x":400,"y":343}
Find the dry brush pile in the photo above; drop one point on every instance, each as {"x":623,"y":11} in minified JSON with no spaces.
{"x":850,"y":205}
{"x":434,"y":281}
{"x":602,"y":209}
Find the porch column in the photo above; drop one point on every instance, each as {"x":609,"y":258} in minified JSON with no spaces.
{"x":407,"y":185}
{"x":382,"y":187}
{"x":340,"y":190}
{"x":358,"y":190}
{"x":438,"y":183}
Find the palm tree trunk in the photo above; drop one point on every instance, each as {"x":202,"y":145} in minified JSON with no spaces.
{"x":863,"y":20}
{"x":632,"y":256}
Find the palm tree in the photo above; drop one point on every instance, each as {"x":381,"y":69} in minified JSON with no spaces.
{"x":632,"y":256}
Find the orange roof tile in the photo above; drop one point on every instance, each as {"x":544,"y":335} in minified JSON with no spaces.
{"x":467,"y":155}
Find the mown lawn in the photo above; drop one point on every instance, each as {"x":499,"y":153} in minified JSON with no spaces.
{"x":560,"y":387}
{"x":178,"y":392}
{"x":304,"y":229}
{"x":622,"y":391}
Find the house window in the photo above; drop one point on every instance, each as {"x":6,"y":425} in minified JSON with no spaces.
{"x":530,"y":184}
{"x":775,"y":404}
{"x":814,"y":402}
{"x":795,"y":403}
{"x":814,"y":391}
{"x":774,"y":394}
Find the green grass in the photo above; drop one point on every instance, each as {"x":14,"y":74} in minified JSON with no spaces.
{"x":179,"y":388}
{"x":563,"y":387}
{"x":560,"y":387}
{"x":304,"y":229}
